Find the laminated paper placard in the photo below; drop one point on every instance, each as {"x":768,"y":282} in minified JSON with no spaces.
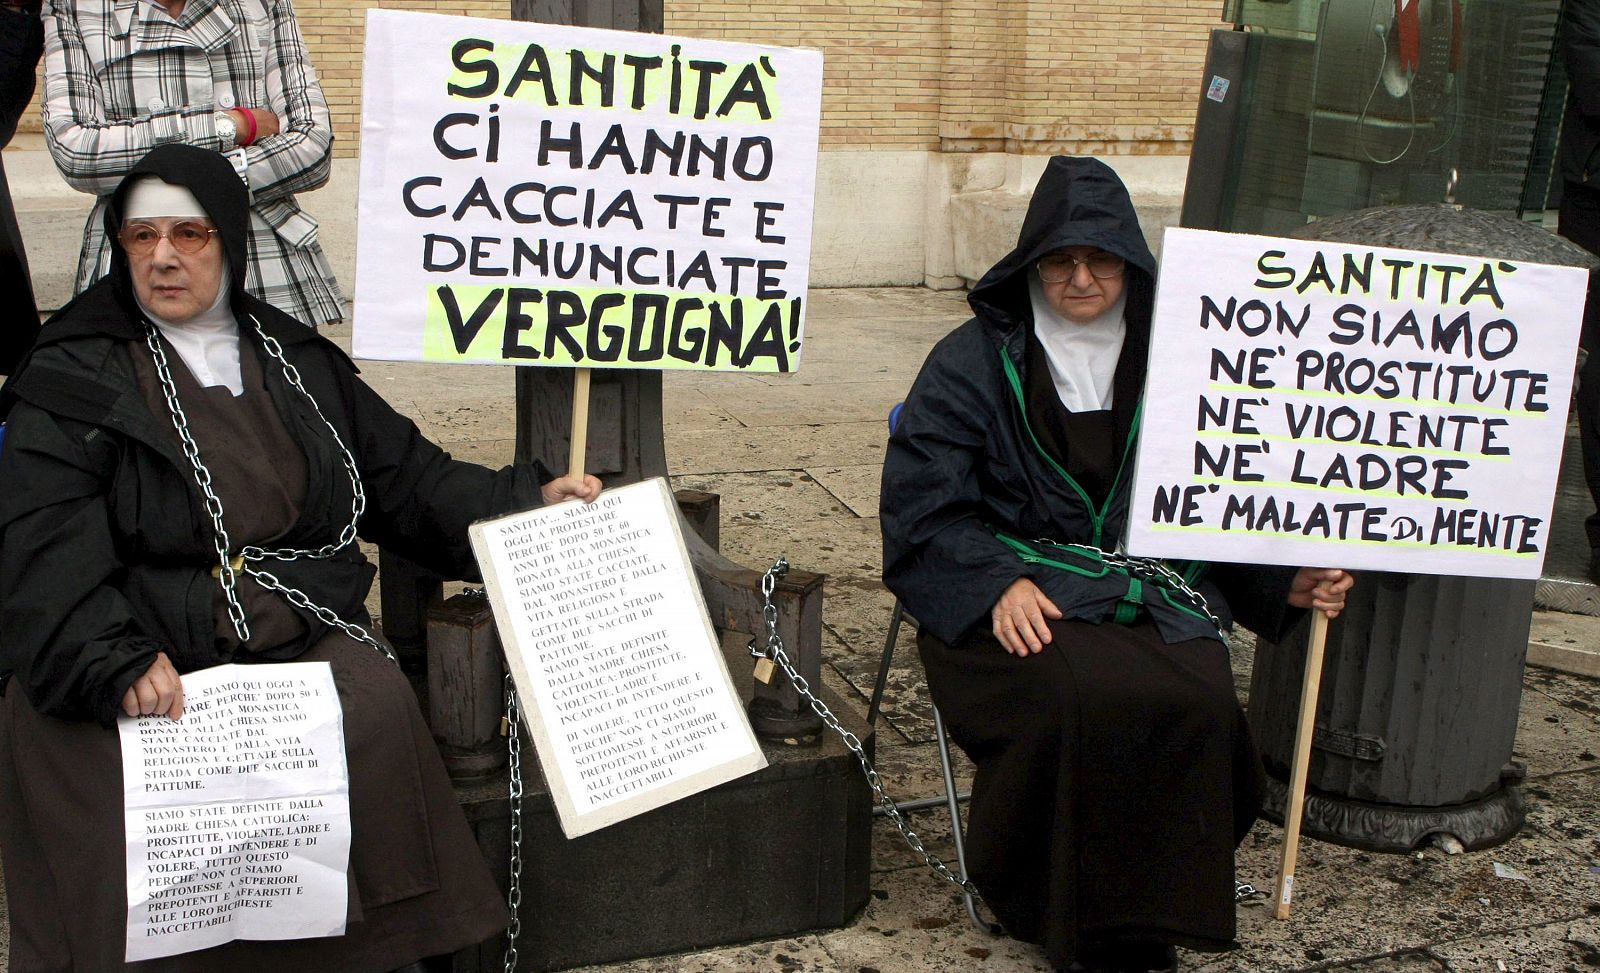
{"x":613,"y":655}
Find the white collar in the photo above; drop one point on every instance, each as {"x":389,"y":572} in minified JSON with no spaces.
{"x":208,"y":343}
{"x":1082,"y":355}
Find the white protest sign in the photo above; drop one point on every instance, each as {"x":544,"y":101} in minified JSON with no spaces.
{"x":613,"y":655}
{"x":1359,"y":407}
{"x":238,"y":814}
{"x":534,"y":194}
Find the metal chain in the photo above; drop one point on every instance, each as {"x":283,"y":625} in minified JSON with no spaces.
{"x":230,"y":565}
{"x":886,"y":804}
{"x":514,"y":890}
{"x":1157,"y":570}
{"x":1147,"y":569}
{"x":202,"y":476}
{"x":1242,"y":891}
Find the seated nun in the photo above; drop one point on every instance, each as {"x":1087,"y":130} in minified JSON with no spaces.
{"x":185,"y":469}
{"x":1115,"y":771}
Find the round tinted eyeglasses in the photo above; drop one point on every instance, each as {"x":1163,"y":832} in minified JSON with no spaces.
{"x":187,"y":236}
{"x":1059,"y":267}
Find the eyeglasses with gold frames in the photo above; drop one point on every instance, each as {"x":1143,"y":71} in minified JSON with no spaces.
{"x":187,"y":236}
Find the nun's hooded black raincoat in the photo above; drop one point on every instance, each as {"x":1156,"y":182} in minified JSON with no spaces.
{"x":1115,"y":771}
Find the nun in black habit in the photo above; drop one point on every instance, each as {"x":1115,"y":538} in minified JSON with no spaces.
{"x":185,"y":472}
{"x":1115,"y":770}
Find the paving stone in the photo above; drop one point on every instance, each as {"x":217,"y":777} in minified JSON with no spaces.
{"x":910,"y":773}
{"x":795,"y":402}
{"x":1552,"y":736}
{"x":1417,"y":962}
{"x":766,"y":497}
{"x":1566,"y":946}
{"x":840,"y":547}
{"x":1565,"y":808}
{"x":1576,"y":693}
{"x":453,"y":424}
{"x":689,"y":408}
{"x":915,"y":923}
{"x":855,"y":486}
{"x":493,"y":453}
{"x":1351,"y":904}
{"x":790,"y":447}
{"x":804,"y":954}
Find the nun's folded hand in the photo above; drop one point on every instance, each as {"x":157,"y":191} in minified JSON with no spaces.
{"x":159,"y":692}
{"x":1022,"y":617}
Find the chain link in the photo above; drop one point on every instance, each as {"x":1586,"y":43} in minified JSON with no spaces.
{"x":885,"y":803}
{"x":249,"y":555}
{"x":229,"y":566}
{"x":514,"y":890}
{"x":1148,"y":567}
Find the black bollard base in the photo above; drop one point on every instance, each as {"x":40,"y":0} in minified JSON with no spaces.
{"x":1395,"y":829}
{"x":777,"y":852}
{"x":773,"y":723}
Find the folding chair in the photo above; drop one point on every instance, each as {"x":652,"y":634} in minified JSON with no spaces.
{"x":950,"y":798}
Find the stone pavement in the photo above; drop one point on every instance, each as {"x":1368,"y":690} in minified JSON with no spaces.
{"x":796,"y":461}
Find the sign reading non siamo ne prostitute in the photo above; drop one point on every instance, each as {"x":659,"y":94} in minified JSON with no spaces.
{"x":1325,"y":403}
{"x":535,"y":194}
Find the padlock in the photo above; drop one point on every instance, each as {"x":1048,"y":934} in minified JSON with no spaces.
{"x":764,"y":670}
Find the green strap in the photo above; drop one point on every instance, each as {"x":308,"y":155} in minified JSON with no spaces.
{"x":1128,"y":607}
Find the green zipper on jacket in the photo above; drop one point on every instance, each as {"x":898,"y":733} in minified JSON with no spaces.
{"x":1125,"y":614}
{"x":1096,"y":515}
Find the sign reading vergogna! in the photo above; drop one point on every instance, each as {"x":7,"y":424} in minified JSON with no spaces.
{"x":534,"y":194}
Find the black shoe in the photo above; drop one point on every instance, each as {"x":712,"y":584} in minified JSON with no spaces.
{"x":1594,"y":566}
{"x":1135,"y":957}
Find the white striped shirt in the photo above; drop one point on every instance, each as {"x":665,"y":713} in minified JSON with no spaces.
{"x":122,"y":76}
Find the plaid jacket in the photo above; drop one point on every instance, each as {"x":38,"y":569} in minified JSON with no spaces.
{"x":122,"y":77}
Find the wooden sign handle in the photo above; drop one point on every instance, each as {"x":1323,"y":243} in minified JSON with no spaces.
{"x":580,"y":422}
{"x":1309,"y":688}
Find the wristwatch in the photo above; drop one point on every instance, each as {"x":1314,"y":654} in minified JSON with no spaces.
{"x":227,"y":130}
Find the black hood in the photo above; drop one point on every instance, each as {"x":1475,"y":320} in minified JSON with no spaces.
{"x":214,"y":183}
{"x":1078,"y":202}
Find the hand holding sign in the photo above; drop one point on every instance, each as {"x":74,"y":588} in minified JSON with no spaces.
{"x":159,"y":692}
{"x":1322,"y":589}
{"x":585,"y":487}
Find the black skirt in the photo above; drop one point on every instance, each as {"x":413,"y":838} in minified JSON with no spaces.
{"x":419,"y":886}
{"x":1115,"y":777}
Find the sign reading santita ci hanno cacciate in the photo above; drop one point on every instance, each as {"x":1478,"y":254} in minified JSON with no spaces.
{"x":543,"y":195}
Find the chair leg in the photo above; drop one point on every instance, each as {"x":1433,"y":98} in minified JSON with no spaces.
{"x":953,"y":801}
{"x":883,"y":665}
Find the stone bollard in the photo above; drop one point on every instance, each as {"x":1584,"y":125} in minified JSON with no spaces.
{"x":466,"y":687}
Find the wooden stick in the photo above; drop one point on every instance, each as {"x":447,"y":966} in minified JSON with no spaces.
{"x":1309,"y":688}
{"x":580,"y":422}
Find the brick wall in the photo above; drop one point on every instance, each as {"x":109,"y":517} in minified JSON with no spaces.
{"x":1031,"y":76}
{"x":1028,"y":76}
{"x":335,"y":33}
